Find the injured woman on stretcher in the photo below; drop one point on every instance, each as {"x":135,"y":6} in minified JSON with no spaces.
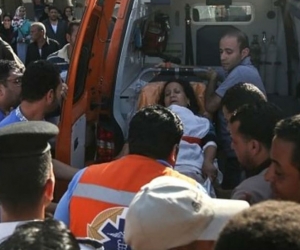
{"x":197,"y":149}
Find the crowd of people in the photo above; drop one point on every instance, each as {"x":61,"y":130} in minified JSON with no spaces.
{"x":154,"y":196}
{"x":37,"y":38}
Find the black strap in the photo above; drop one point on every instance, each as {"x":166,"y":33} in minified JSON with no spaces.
{"x":189,"y":55}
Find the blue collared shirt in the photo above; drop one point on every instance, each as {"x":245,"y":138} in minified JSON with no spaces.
{"x":244,"y":72}
{"x":14,"y":116}
{"x":2,"y":115}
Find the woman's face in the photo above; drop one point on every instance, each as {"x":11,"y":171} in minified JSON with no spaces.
{"x":7,"y":22}
{"x":68,"y":12}
{"x":174,"y":94}
{"x":22,"y":12}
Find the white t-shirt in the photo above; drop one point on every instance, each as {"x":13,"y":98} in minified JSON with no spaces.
{"x":190,"y":156}
{"x":54,"y":27}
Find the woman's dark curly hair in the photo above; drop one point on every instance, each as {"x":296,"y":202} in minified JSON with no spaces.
{"x":188,"y":90}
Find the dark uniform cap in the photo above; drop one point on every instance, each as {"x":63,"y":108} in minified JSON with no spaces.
{"x":24,"y":139}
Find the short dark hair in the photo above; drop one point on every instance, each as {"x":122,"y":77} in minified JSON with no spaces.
{"x":270,"y":225}
{"x":257,"y":121}
{"x":39,"y":77}
{"x":188,"y":90}
{"x":5,"y":67}
{"x":71,"y":25}
{"x":241,"y":37}
{"x":240,"y":94}
{"x":22,"y":184}
{"x":154,"y":131}
{"x":289,"y":130}
{"x":51,"y":7}
{"x":36,"y":235}
{"x":7,"y":15}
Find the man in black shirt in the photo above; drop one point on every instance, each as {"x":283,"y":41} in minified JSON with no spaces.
{"x":41,"y":46}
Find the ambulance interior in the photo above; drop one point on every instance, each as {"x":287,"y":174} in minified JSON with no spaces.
{"x":156,"y":31}
{"x":273,"y":28}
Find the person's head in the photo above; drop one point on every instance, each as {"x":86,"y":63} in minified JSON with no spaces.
{"x":238,"y":95}
{"x":7,"y":21}
{"x":36,"y":235}
{"x":234,"y":47}
{"x":179,"y":92}
{"x":68,"y":11}
{"x":72,"y":31}
{"x":37,"y":31}
{"x":46,"y":9}
{"x":270,"y":225}
{"x":155,"y":132}
{"x":170,"y":212}
{"x":26,"y":174}
{"x":41,"y":83}
{"x":284,"y":172}
{"x":21,"y":12}
{"x":10,"y":85}
{"x":53,"y":13}
{"x":251,"y":128}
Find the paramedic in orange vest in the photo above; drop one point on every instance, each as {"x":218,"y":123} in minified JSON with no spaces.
{"x":96,"y":201}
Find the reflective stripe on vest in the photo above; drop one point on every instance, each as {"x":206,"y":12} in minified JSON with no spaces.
{"x":103,"y":194}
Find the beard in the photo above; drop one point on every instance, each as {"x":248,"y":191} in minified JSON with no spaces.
{"x":55,"y":107}
{"x":246,"y":162}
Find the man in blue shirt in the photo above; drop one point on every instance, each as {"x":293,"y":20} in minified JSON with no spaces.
{"x":235,"y":60}
{"x":41,"y":94}
{"x":10,"y":86}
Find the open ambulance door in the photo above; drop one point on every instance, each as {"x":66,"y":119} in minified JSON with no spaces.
{"x":81,"y":109}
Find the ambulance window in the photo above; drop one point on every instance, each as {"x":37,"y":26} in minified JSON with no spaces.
{"x":221,"y":13}
{"x":84,"y":57}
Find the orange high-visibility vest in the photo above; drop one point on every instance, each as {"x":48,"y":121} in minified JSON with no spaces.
{"x":105,"y":189}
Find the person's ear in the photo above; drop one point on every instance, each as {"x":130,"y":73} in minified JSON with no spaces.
{"x":50,"y":96}
{"x":68,"y":37}
{"x":2,"y":90}
{"x":49,"y":188}
{"x":173,"y":155}
{"x":245,"y":52}
{"x":255,"y":147}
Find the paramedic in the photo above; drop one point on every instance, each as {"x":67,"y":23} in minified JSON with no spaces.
{"x":235,"y":60}
{"x":101,"y":193}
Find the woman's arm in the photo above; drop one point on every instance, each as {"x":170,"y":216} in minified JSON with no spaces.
{"x":208,"y":168}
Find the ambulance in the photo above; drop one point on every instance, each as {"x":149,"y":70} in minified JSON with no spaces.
{"x":113,"y":71}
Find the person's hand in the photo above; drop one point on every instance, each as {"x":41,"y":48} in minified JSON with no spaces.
{"x":246,"y":197}
{"x":212,"y":74}
{"x":209,"y":170}
{"x":64,"y":90}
